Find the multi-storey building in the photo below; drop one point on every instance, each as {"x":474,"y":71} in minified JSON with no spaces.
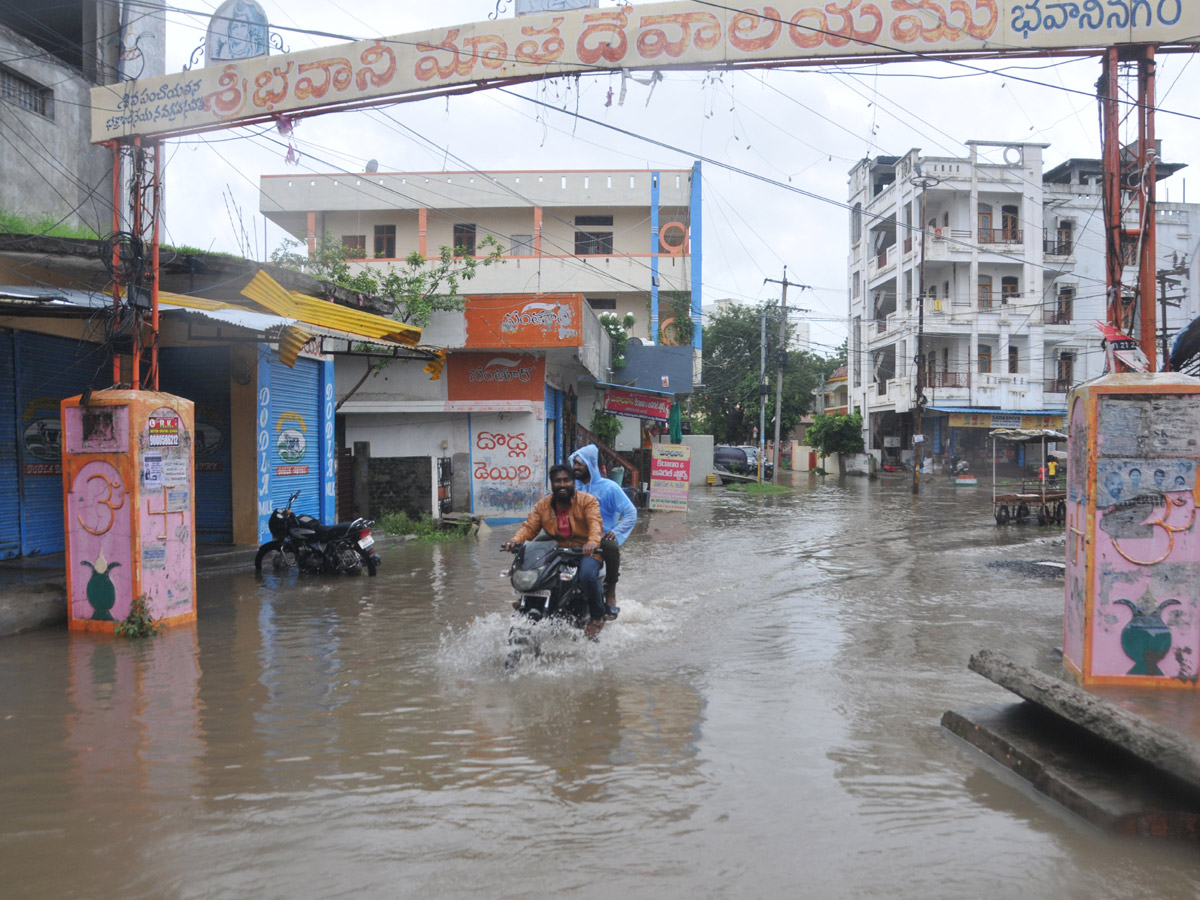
{"x":1011,"y":265}
{"x":526,"y":355}
{"x":51,"y":56}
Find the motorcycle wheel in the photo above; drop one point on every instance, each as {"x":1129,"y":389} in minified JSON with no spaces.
{"x":370,"y":562}
{"x":1060,"y":511}
{"x":273,"y":549}
{"x":1002,"y":515}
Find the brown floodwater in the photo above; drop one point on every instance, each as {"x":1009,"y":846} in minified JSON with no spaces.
{"x":762,"y":721}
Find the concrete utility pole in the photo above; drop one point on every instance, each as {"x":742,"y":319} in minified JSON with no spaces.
{"x":781,"y":359}
{"x":1169,"y":278}
{"x":924,"y":182}
{"x":762,"y":392}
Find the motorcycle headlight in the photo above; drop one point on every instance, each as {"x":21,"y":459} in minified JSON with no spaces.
{"x":525,"y":579}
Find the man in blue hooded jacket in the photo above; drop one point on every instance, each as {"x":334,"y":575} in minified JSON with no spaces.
{"x":617,"y":511}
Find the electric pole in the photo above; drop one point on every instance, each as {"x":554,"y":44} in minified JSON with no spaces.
{"x":924,"y":182}
{"x":782,"y":360}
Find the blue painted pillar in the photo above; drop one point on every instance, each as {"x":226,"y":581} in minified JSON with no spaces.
{"x":263,"y":441}
{"x":328,"y":447}
{"x":655,"y":177}
{"x":697,"y":248}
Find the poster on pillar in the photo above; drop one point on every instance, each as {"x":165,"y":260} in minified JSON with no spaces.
{"x":670,"y":475}
{"x":508,"y":464}
{"x":1133,"y":546}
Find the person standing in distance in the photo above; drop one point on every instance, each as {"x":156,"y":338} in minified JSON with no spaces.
{"x":617,"y":510}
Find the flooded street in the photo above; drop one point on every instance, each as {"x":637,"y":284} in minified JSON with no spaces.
{"x":762,"y":721}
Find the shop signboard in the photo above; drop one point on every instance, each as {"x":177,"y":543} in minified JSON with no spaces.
{"x":638,"y":404}
{"x":670,"y":475}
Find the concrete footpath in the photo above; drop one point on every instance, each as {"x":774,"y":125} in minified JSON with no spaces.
{"x":33,"y":590}
{"x":1123,"y":759}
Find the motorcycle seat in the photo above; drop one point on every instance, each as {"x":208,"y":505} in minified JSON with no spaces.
{"x":327,"y":532}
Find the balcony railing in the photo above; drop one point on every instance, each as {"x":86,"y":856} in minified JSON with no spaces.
{"x":1060,"y":315}
{"x":1000,"y":236}
{"x":949,"y":380}
{"x":1058,"y":246}
{"x":1056,"y":386}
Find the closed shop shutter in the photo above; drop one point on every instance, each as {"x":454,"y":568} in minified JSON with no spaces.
{"x":295,"y":435}
{"x":201,"y":374}
{"x":48,"y":370}
{"x":10,"y":500}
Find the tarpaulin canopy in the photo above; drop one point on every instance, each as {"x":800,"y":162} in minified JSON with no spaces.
{"x":1027,"y":435}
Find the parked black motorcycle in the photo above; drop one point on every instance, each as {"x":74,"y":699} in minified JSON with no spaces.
{"x":303,"y":543}
{"x":545,"y":577}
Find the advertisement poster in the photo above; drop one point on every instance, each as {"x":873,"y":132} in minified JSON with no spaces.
{"x":670,"y":474}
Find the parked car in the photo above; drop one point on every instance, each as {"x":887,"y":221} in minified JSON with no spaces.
{"x":732,"y":459}
{"x":752,"y":455}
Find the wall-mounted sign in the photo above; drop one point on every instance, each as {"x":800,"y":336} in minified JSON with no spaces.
{"x":1005,"y":420}
{"x":545,"y":320}
{"x":637,"y":405}
{"x":495,"y":376}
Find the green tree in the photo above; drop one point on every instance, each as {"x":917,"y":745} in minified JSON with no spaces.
{"x":418,"y":287}
{"x":727,"y":406}
{"x":836,"y":434}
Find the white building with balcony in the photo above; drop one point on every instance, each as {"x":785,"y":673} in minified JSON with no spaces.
{"x":1013,"y":268}
{"x":573,"y":245}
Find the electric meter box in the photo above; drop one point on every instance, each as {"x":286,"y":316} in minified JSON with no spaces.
{"x":1132,"y":613}
{"x":129,"y":507}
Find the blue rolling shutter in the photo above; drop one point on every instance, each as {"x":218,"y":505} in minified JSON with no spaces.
{"x":201,"y":374}
{"x":10,"y":502}
{"x":295,"y":435}
{"x":48,"y":370}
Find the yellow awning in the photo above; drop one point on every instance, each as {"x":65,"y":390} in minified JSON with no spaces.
{"x":266,"y":291}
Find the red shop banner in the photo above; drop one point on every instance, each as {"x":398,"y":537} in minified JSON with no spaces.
{"x":637,"y":405}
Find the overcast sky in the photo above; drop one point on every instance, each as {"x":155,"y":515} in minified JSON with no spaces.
{"x":802,"y":129}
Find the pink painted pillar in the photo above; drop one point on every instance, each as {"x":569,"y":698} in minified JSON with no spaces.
{"x":1133,"y":544}
{"x":128,"y":507}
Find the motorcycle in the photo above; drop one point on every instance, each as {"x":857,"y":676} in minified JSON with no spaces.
{"x":545,"y":578}
{"x":303,"y":543}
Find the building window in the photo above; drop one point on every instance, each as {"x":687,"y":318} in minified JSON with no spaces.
{"x":985,"y":223}
{"x":985,"y":291}
{"x":521,"y":245}
{"x":1066,"y":371}
{"x":602,"y":302}
{"x":857,"y":285}
{"x":985,"y":359}
{"x":25,"y":93}
{"x":1064,"y":306}
{"x":593,"y":243}
{"x":1014,"y":362}
{"x":464,"y":240}
{"x":856,"y":223}
{"x":356,"y":245}
{"x":1010,"y":225}
{"x":385,"y":241}
{"x":1008,"y":289}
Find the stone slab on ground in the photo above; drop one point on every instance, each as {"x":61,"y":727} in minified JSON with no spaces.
{"x":1148,"y":741}
{"x":26,"y":607}
{"x":1101,"y":783}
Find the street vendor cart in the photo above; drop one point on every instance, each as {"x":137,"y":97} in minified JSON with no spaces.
{"x":1042,"y":497}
